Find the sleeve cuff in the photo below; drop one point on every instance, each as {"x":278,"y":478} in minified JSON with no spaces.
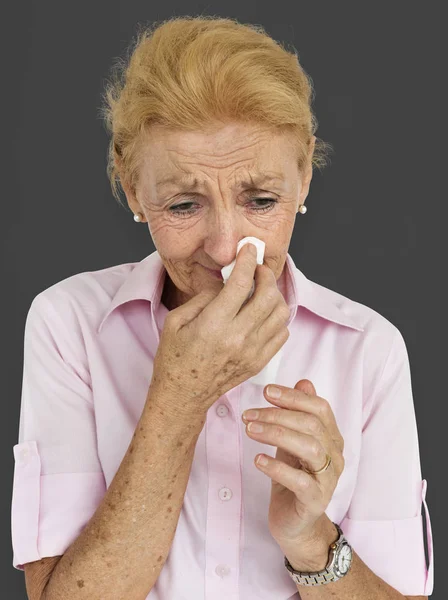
{"x":394,"y":550}
{"x":48,"y":511}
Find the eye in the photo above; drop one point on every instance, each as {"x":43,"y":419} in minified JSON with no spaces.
{"x":266,"y":207}
{"x":181,"y":210}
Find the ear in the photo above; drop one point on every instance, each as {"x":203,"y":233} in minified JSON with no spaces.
{"x":131,"y":198}
{"x":308,"y":174}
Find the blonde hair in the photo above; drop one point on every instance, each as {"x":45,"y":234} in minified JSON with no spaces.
{"x":190,"y":73}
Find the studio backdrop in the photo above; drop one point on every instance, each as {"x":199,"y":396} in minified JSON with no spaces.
{"x":91,"y":271}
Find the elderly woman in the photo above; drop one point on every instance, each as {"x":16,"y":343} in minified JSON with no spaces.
{"x":154,"y":460}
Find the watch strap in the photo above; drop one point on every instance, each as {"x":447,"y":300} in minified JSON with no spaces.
{"x":327,"y":575}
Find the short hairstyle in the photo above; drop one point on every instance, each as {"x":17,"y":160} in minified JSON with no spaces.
{"x":194,"y":73}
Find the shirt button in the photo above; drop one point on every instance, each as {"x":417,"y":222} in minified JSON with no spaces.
{"x":24,"y":455}
{"x":222,"y":570}
{"x":225,"y":493}
{"x":222,"y":410}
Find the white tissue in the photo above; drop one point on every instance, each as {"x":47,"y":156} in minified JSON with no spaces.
{"x":269,"y":373}
{"x":260,"y":245}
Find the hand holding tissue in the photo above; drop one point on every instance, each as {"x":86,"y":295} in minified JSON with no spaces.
{"x":260,"y":246}
{"x":211,"y":344}
{"x":269,"y":373}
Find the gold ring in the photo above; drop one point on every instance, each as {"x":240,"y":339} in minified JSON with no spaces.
{"x":324,"y":468}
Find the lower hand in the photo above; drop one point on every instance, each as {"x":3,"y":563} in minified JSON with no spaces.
{"x":304,"y":430}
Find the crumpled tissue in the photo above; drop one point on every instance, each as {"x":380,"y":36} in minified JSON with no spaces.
{"x":269,"y":373}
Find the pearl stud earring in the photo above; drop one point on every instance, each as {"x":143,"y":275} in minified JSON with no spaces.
{"x":302,"y":209}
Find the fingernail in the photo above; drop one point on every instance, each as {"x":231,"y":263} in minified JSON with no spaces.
{"x":274,"y":391}
{"x":262,"y":460}
{"x":255,"y":427}
{"x":251,"y":415}
{"x":252,"y":249}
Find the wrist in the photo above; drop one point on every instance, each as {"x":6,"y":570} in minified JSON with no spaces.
{"x":162,"y":404}
{"x":312,"y":553}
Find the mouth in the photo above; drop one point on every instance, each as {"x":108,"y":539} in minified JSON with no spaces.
{"x":216,"y":274}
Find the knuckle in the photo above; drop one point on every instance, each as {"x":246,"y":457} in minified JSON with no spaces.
{"x":212,"y":328}
{"x":315,"y":449}
{"x":237,"y":340}
{"x":303,"y":481}
{"x":225,"y":345}
{"x":315,"y":425}
{"x":278,"y":431}
{"x":270,"y":294}
{"x":277,"y":469}
{"x":324,"y":407}
{"x":284,"y":313}
{"x":170,"y":319}
{"x":243,"y":284}
{"x":234,"y":343}
{"x":286,"y":333}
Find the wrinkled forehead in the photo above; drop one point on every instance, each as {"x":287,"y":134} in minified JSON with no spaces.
{"x":239,"y":150}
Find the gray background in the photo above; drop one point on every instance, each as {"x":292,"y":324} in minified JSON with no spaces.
{"x":375,"y":229}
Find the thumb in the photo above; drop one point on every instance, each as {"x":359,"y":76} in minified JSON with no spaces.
{"x":305,"y":385}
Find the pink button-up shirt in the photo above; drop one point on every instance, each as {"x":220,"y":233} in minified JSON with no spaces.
{"x":89,"y":346}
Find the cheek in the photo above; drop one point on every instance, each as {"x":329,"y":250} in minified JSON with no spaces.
{"x":278,"y":239}
{"x":162,"y":223}
{"x":176,"y":255}
{"x":170,"y":240}
{"x":179,"y":270}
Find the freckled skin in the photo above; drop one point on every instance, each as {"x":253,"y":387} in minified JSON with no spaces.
{"x":123,"y":535}
{"x":122,"y":549}
{"x":224,"y":214}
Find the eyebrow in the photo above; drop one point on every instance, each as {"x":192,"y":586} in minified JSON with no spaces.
{"x":186,"y":182}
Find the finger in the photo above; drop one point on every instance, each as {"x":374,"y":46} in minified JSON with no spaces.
{"x":294,"y":399}
{"x":306,"y":448}
{"x":301,"y":422}
{"x":296,"y":420}
{"x":303,"y":485}
{"x":185,"y":313}
{"x":230,"y":299}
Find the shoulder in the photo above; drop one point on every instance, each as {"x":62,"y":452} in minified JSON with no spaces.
{"x":68,"y":312}
{"x":374,"y":327}
{"x":88,"y":286}
{"x":377,"y":348}
{"x":78,"y":301}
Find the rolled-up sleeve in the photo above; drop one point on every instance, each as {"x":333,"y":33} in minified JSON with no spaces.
{"x":58,"y":481}
{"x":384,"y":523}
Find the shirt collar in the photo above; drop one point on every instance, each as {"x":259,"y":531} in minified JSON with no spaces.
{"x":146,"y":280}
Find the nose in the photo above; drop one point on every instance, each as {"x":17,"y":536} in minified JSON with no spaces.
{"x":225,"y":227}
{"x":221,"y":241}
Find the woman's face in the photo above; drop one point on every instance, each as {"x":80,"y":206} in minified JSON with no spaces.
{"x":198,"y":224}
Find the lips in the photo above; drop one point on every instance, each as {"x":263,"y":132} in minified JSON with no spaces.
{"x":216,"y":274}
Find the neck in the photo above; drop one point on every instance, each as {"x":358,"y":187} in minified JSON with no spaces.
{"x":169,"y":293}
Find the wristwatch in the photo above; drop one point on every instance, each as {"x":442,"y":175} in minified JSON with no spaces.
{"x":339,"y":563}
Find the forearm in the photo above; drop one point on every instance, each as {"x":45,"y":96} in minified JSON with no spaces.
{"x":360,"y":583}
{"x":122,"y":549}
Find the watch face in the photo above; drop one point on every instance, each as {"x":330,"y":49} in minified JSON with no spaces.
{"x":344,"y":558}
